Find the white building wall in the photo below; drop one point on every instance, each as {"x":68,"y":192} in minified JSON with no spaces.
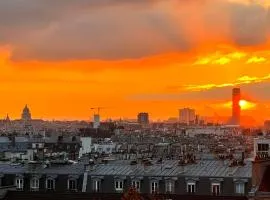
{"x":86,"y":145}
{"x":260,"y":140}
{"x":106,"y":148}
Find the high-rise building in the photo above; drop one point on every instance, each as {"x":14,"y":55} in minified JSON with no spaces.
{"x":96,"y":122}
{"x":236,"y":108}
{"x":267,"y":124}
{"x":187,"y":115}
{"x":143,"y":118}
{"x":26,"y":114}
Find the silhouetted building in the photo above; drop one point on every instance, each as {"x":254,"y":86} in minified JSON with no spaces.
{"x":267,"y":124}
{"x":143,"y":118}
{"x":187,"y":115}
{"x":96,"y":122}
{"x":26,"y":114}
{"x":236,"y":108}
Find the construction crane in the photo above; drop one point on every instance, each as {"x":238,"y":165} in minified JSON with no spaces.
{"x":98,"y":109}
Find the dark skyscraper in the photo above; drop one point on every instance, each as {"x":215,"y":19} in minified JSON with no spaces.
{"x":236,"y":108}
{"x":143,"y":118}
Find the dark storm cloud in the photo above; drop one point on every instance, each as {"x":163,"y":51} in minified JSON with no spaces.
{"x":120,"y":29}
{"x":250,"y":24}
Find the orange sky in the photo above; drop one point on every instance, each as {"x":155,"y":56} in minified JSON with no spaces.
{"x":151,"y":56}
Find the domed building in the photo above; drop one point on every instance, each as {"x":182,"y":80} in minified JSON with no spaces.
{"x":26,"y":114}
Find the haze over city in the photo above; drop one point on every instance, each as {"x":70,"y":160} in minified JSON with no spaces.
{"x":64,"y":57}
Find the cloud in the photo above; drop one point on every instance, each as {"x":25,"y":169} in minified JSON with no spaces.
{"x":126,"y":29}
{"x":240,"y":81}
{"x":256,"y":60}
{"x":223,"y":57}
{"x":215,"y":94}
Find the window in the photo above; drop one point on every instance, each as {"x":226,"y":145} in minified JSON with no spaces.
{"x":240,"y":188}
{"x":96,"y":185}
{"x":19,"y":184}
{"x":136,"y":185}
{"x":263,"y":147}
{"x":169,"y":187}
{"x":215,"y":189}
{"x":119,"y":185}
{"x":34,"y":184}
{"x":50,"y":184}
{"x":72,"y":185}
{"x":191,"y":188}
{"x":154,"y":187}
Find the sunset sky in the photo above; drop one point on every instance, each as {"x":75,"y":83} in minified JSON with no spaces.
{"x":63,"y":57}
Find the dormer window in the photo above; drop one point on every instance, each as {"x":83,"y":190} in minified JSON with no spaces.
{"x":119,"y":185}
{"x":215,"y":189}
{"x":19,"y":183}
{"x":34,"y":184}
{"x":191,"y":187}
{"x":169,"y":186}
{"x":50,"y":184}
{"x":72,"y":185}
{"x":239,"y":186}
{"x":136,"y":184}
{"x":96,"y":185}
{"x":154,"y":187}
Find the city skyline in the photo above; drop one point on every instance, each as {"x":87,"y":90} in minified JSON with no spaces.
{"x":61,"y":66}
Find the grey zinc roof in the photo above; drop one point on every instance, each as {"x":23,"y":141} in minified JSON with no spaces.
{"x":21,"y":139}
{"x":4,"y":140}
{"x":64,"y":169}
{"x":210,"y":168}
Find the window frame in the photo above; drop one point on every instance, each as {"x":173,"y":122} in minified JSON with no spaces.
{"x":192,"y":187}
{"x":171,"y":187}
{"x":119,"y":185}
{"x":242,"y":188}
{"x":96,"y":185}
{"x":34,"y":184}
{"x":53,"y":184}
{"x":75,"y":185}
{"x":213,"y":185}
{"x":136,"y":184}
{"x":19,"y":186}
{"x":154,"y":187}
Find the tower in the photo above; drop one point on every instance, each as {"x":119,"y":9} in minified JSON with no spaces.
{"x":143,"y":118}
{"x":236,"y":108}
{"x":26,"y":114}
{"x":187,"y":116}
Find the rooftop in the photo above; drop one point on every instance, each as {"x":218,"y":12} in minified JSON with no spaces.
{"x":208,"y":168}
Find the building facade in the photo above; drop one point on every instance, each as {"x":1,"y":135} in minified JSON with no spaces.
{"x":210,"y":178}
{"x":143,"y":118}
{"x":236,"y":108}
{"x":187,"y":116}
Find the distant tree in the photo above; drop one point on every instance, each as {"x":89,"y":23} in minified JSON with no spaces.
{"x":131,"y":194}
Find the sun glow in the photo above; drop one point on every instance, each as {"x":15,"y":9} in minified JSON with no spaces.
{"x":246,"y":105}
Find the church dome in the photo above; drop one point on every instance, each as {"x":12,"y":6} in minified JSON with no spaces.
{"x":26,"y":114}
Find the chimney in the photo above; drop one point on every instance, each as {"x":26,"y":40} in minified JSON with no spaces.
{"x":60,"y":138}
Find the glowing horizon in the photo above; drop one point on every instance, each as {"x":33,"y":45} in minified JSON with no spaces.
{"x":144,"y":56}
